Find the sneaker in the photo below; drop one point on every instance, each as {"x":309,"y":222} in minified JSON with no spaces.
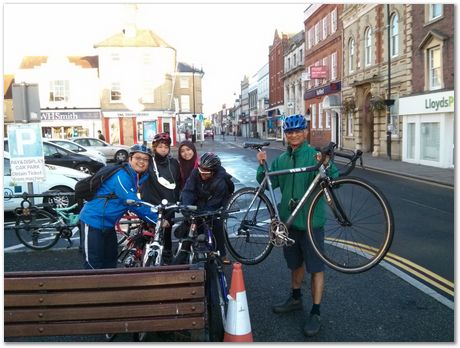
{"x":289,"y":305}
{"x":312,"y":325}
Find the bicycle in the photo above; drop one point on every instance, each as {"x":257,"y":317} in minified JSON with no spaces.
{"x":358,"y":228}
{"x":38,"y":229}
{"x":199,"y":246}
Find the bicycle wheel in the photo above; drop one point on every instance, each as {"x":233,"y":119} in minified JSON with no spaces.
{"x":125,"y":226}
{"x":37,"y":231}
{"x":216,"y":302}
{"x":247,"y":229}
{"x":363,"y":239}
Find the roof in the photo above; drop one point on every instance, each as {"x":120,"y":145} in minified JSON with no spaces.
{"x":143,"y":38}
{"x":87,"y":62}
{"x":8,"y":81}
{"x":184,"y":67}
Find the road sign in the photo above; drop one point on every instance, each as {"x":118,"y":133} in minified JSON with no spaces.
{"x":26,"y":152}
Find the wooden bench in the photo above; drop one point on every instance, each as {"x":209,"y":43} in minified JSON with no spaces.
{"x":84,"y":302}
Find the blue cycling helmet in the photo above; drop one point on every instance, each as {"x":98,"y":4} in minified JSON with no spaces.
{"x":294,"y":122}
{"x":141,"y":149}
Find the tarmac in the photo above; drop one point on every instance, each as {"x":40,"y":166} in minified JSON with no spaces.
{"x":442,"y":176}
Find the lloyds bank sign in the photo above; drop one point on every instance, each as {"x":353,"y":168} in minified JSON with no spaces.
{"x":440,"y":102}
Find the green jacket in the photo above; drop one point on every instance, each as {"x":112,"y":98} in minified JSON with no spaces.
{"x":295,"y":185}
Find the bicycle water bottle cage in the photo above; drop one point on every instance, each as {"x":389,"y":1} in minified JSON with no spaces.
{"x":279,"y":235}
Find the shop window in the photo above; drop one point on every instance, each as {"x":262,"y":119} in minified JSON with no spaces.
{"x":429,"y":141}
{"x":185,"y":103}
{"x":313,"y":116}
{"x":320,"y":116}
{"x":394,"y":113}
{"x":59,"y":91}
{"x":410,"y":137}
{"x":328,"y":119}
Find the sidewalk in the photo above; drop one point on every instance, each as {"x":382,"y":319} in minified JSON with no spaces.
{"x":417,"y":171}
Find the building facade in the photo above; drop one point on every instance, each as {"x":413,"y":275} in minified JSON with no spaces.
{"x":428,"y":112}
{"x":262,"y":100}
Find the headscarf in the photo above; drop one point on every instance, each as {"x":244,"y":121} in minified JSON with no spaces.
{"x":186,"y":167}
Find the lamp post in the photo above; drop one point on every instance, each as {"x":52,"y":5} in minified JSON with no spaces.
{"x":194,"y":129}
{"x":308,"y":114}
{"x":389,"y":102}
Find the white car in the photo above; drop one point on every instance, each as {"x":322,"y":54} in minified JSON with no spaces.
{"x":73,"y":146}
{"x":111,"y":152}
{"x":57,"y":178}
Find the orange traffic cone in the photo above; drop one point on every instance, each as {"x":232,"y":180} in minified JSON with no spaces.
{"x":237,"y":325}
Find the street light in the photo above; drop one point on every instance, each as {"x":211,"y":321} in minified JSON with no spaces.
{"x":194,"y":129}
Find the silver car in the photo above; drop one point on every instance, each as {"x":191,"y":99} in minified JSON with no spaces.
{"x":72,"y":146}
{"x":115,"y":153}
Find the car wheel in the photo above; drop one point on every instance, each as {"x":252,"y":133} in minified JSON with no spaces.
{"x":84,"y":168}
{"x":121,"y":156}
{"x":63,"y":201}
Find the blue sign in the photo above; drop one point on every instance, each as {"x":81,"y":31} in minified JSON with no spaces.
{"x":25,"y":140}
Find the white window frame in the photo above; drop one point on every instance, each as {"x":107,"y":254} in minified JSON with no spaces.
{"x":317,"y":83}
{"x":311,"y":38}
{"x":334,"y":21}
{"x":333,"y":74}
{"x":350,"y":123}
{"x":316,"y":33}
{"x":328,"y":119}
{"x":184,"y":82}
{"x":351,"y":55}
{"x":326,"y":63}
{"x":394,"y":43}
{"x":432,"y":11}
{"x":115,"y":92}
{"x":320,"y":116}
{"x":434,"y":68}
{"x":59,"y":91}
{"x":368,"y":47}
{"x":313,"y":116}
{"x":185,"y":103}
{"x":394,"y":118}
{"x":325,"y":28}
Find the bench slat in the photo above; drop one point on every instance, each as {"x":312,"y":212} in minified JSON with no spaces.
{"x":97,"y":312}
{"x":76,"y":298}
{"x":102,"y":281}
{"x":95,"y":327}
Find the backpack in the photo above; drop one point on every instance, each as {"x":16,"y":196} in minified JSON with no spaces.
{"x":86,"y":188}
{"x":230,"y":184}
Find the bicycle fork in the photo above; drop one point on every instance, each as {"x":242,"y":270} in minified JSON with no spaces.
{"x":334,"y":204}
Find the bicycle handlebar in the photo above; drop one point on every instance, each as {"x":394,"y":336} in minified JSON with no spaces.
{"x":162,"y":206}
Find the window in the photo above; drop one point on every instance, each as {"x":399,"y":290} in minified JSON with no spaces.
{"x":149,"y":92}
{"x":351,"y":55}
{"x":59,"y":91}
{"x":350,"y":124}
{"x":328,"y":119}
{"x":334,"y":66}
{"x":301,"y":57}
{"x":394,"y":117}
{"x":334,"y":21}
{"x":185,"y":103}
{"x":434,"y":68}
{"x":368,"y":47}
{"x":410,"y":140}
{"x":115,"y":57}
{"x":316,"y":33}
{"x":311,"y":38}
{"x":429,"y":141}
{"x":317,"y":80}
{"x":147,"y":59}
{"x":313,"y":116}
{"x":115,"y":91}
{"x":435,"y":11}
{"x":184,"y":82}
{"x":320,"y":116}
{"x":288,"y":67}
{"x":327,"y":65}
{"x":394,"y":35}
{"x":295,"y":60}
{"x":325,"y":27}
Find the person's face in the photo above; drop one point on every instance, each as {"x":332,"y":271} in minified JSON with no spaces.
{"x":295,"y":137}
{"x":162,"y":149}
{"x":186,"y":153}
{"x":139,"y":162}
{"x":205,"y":174}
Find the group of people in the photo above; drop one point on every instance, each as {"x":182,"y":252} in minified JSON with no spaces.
{"x":154,"y":175}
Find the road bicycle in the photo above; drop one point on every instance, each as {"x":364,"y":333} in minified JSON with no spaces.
{"x":199,"y":246}
{"x":358,"y":221}
{"x":41,"y":227}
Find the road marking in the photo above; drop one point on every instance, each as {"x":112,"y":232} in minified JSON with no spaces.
{"x":425,"y":206}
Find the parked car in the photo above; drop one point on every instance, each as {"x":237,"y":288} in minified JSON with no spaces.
{"x":60,"y":179}
{"x":111,"y":152}
{"x":72,"y":146}
{"x":57,"y":155}
{"x":209,"y":133}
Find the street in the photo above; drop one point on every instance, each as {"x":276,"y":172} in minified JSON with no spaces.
{"x":408,"y":298}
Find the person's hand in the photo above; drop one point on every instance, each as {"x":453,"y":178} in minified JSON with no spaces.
{"x":261,"y":157}
{"x":165,"y":224}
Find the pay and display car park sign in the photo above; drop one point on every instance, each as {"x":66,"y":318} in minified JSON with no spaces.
{"x":26,"y":152}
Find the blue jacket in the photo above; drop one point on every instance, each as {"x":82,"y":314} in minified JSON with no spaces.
{"x":207,"y":195}
{"x":104,"y":213}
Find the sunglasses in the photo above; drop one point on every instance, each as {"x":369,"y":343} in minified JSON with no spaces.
{"x":205,"y":172}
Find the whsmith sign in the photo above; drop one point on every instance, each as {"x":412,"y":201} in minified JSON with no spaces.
{"x":427,"y":103}
{"x":69,"y":115}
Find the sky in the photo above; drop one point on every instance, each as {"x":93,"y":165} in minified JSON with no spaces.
{"x":228,"y":40}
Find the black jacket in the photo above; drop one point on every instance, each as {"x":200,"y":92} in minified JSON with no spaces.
{"x":210,"y":195}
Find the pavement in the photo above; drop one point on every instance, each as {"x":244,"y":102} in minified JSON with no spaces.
{"x":442,"y":176}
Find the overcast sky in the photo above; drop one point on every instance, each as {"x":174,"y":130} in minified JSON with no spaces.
{"x":227,"y":39}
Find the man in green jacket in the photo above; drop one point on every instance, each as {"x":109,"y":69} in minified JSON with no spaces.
{"x":293,"y":186}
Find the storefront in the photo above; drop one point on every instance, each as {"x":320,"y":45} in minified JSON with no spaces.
{"x":64,"y":124}
{"x":428,"y":129}
{"x":125,"y":127}
{"x":275,"y":123}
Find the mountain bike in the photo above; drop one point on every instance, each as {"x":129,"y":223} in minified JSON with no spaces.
{"x":358,"y":221}
{"x":199,"y":246}
{"x":40,"y":229}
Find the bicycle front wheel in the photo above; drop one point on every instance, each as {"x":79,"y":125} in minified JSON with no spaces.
{"x":247,"y":228}
{"x":37,"y":231}
{"x":216,"y":302}
{"x":358,"y":225}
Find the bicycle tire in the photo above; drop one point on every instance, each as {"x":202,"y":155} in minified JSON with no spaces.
{"x":216,"y":303}
{"x":362,"y":244}
{"x":244,"y":245}
{"x":38,"y":230}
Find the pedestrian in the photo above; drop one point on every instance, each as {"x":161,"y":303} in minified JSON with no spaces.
{"x":188,"y":159}
{"x":207,"y":189}
{"x":300,"y":255}
{"x":100,"y":135}
{"x":99,"y":216}
{"x":164,"y":183}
